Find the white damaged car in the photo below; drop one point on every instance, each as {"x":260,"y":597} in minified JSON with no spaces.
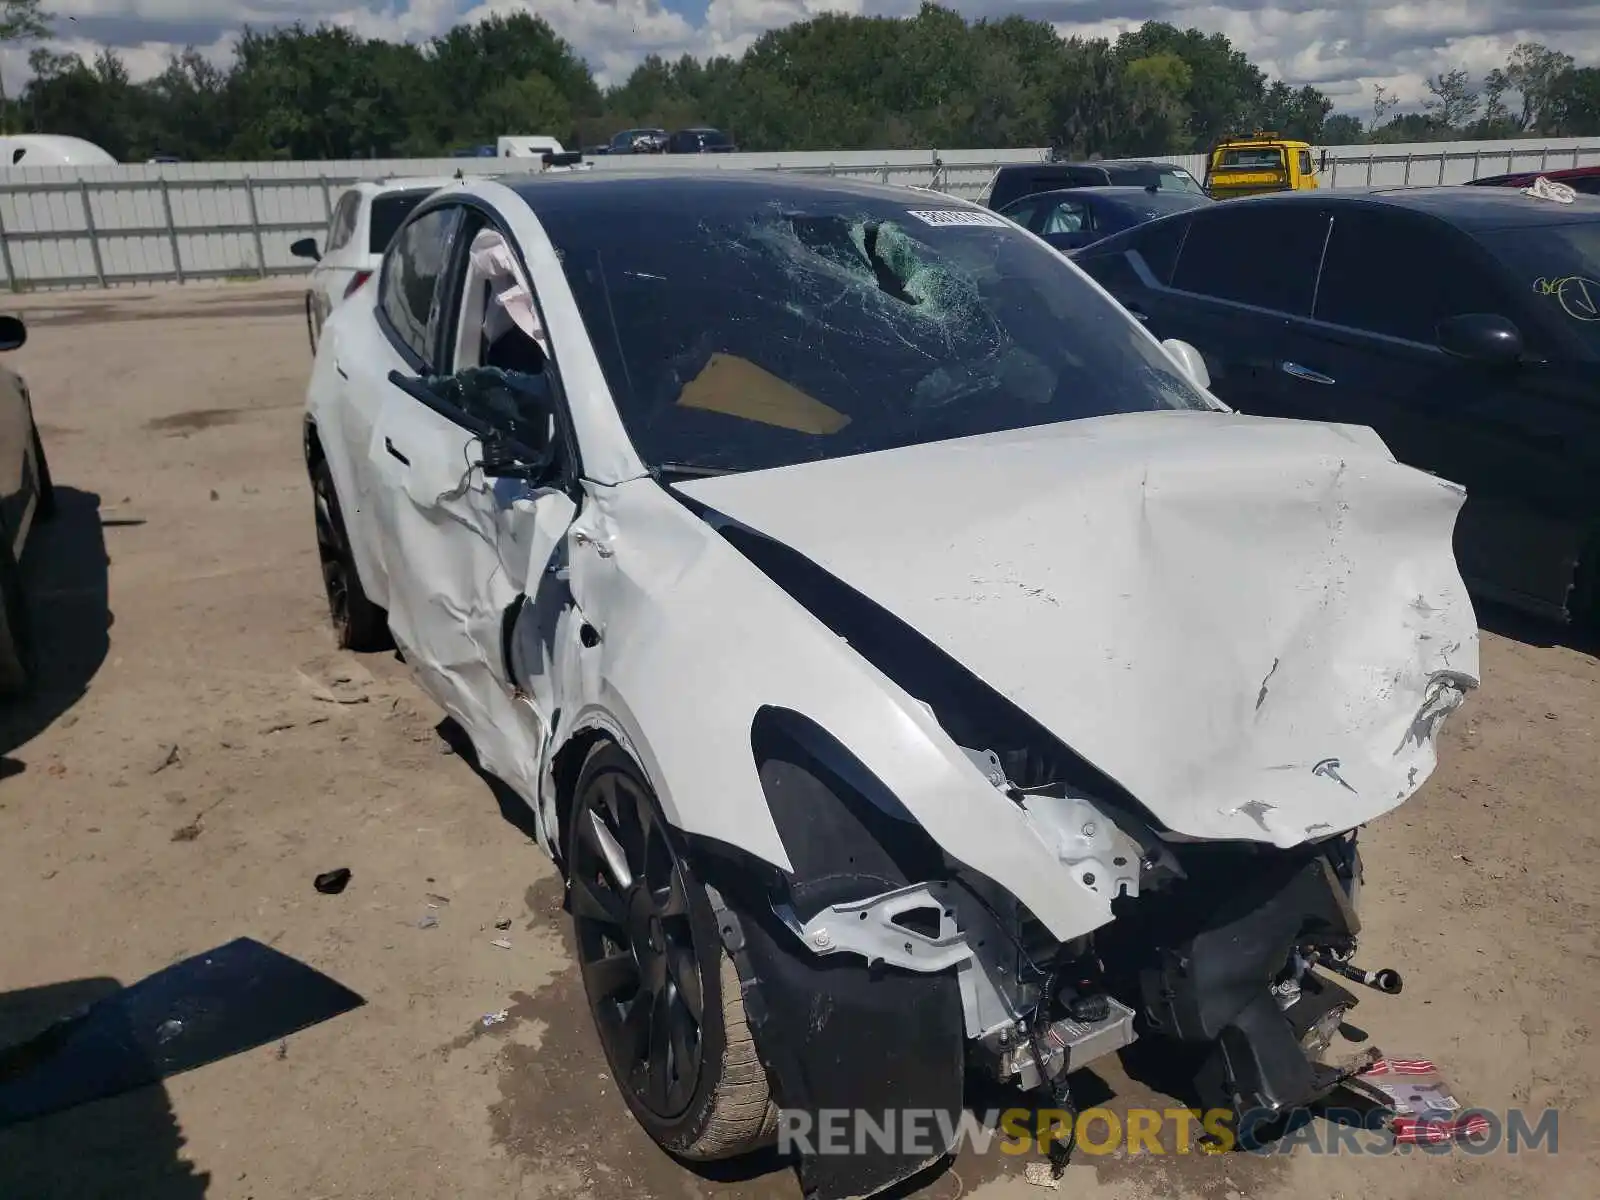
{"x":906,"y":659}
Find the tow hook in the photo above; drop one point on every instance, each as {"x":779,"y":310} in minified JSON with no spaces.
{"x":1386,"y":980}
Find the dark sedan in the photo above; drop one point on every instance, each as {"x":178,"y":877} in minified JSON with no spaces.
{"x":1075,"y":217}
{"x":1015,"y":180}
{"x":1461,"y":323}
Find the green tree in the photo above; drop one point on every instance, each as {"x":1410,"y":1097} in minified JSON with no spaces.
{"x":1225,"y":89}
{"x":1153,"y":90}
{"x":21,"y":22}
{"x":1299,"y":113}
{"x":1571,"y":103}
{"x":1342,"y":129}
{"x":1452,"y":102}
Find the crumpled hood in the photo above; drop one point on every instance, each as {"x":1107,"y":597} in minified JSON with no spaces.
{"x":1253,"y":625}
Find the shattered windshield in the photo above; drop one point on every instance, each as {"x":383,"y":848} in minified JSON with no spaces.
{"x":739,"y":333}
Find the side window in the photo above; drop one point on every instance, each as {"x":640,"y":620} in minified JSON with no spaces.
{"x":502,"y":352}
{"x":1398,"y":274}
{"x":1305,"y":162}
{"x":343,"y":222}
{"x":1065,"y":216}
{"x":411,"y":271}
{"x":1023,"y":213}
{"x":1157,"y":244}
{"x":1255,"y":254}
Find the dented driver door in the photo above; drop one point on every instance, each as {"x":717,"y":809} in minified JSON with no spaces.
{"x":469,"y":547}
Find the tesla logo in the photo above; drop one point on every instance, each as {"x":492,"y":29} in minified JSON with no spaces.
{"x":1328,"y":768}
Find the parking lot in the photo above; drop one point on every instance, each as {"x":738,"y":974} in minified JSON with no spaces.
{"x":199,"y":752}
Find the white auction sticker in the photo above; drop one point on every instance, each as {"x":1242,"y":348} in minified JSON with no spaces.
{"x":955,"y":216}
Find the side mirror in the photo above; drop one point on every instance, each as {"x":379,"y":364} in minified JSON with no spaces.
{"x":306,"y":248}
{"x":1190,"y":361}
{"x":502,"y":460}
{"x":13,"y":333}
{"x":1486,"y":338}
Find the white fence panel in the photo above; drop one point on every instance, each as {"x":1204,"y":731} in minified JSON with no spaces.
{"x":107,"y":225}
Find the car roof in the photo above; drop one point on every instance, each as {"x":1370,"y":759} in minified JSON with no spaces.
{"x":1555,"y":176}
{"x":667,"y":188}
{"x":373,"y":188}
{"x":1111,"y":191}
{"x":1135,"y":163}
{"x":1462,"y":205}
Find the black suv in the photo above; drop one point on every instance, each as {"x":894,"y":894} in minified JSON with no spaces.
{"x":1461,"y":323}
{"x":1015,"y":180}
{"x":700,"y":141}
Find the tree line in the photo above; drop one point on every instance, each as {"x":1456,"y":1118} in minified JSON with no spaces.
{"x":833,"y":82}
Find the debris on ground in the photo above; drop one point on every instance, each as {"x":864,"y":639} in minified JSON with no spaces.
{"x":1418,"y":1100}
{"x":283,"y":1050}
{"x":503,"y":923}
{"x":1040,"y":1174}
{"x":336,"y":682}
{"x":167,"y":756}
{"x":502,"y":943}
{"x":495,"y":1018}
{"x":331,"y":883}
{"x":436,"y":901}
{"x":430,"y":920}
{"x":188,"y":833}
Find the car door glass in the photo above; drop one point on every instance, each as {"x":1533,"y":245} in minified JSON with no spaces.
{"x":502,"y":350}
{"x":1266,"y":256}
{"x":411,"y":271}
{"x":1023,"y":213}
{"x":343,"y":223}
{"x":1157,"y":245}
{"x":1066,"y":216}
{"x":1399,"y":274}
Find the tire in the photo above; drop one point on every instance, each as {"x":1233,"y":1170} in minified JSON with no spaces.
{"x":358,"y":623}
{"x":46,"y":506}
{"x":16,"y":637}
{"x":648,"y":948}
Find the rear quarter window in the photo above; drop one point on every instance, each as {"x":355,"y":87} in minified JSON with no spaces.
{"x":388,"y":214}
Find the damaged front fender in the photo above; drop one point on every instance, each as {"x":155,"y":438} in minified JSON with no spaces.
{"x":693,"y":641}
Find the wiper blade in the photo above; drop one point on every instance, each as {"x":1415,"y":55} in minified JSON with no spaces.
{"x":689,"y":470}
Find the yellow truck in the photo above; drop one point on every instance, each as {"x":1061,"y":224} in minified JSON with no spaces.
{"x":1262,"y":162}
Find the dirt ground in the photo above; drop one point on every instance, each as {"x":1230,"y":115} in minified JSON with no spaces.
{"x":179,"y":600}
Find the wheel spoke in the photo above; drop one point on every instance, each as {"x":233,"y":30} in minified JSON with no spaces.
{"x":633,"y":1033}
{"x":613,"y":977}
{"x":633,"y":820}
{"x":604,"y":843}
{"x":660,"y":1041}
{"x":595,"y":901}
{"x":685,"y":1064}
{"x":685,"y":976}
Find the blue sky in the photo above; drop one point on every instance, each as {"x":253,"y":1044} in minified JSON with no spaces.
{"x":1344,"y":47}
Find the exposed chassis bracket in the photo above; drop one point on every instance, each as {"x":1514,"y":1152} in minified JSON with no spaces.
{"x":872,"y":928}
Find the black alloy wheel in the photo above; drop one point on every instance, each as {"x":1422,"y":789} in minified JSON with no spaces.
{"x":358,"y":624}
{"x":637,"y":943}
